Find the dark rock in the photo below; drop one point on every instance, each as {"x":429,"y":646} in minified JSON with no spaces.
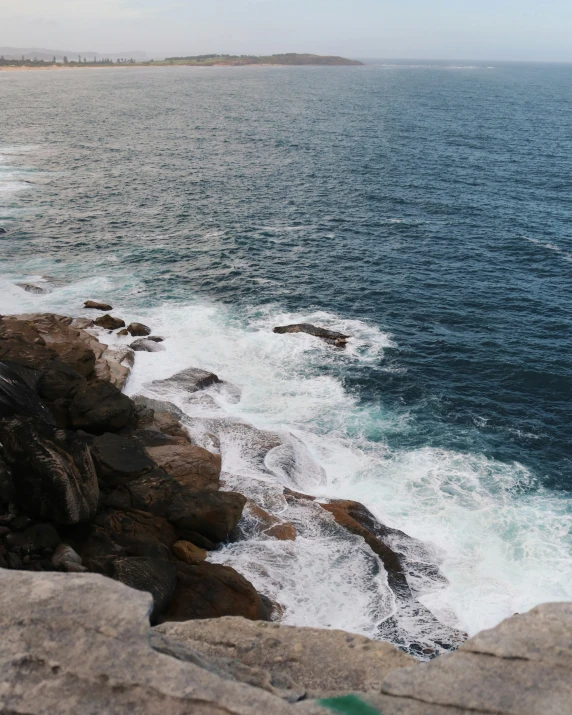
{"x":59,"y":381}
{"x":95,"y":305}
{"x":210,"y":513}
{"x":211,"y":590}
{"x":330,"y":336}
{"x":4,"y":530}
{"x":53,"y":471}
{"x":6,"y":519}
{"x":123,"y":332}
{"x":100,"y":407}
{"x":108,"y":322}
{"x":3,"y":230}
{"x":146,"y":345}
{"x":139,"y":533}
{"x":7,"y":490}
{"x":3,"y":563}
{"x":17,"y":398}
{"x":156,"y":576}
{"x":119,"y":458}
{"x":156,"y":338}
{"x":153,"y":438}
{"x":138,"y":329}
{"x":191,"y":380}
{"x":20,"y":523}
{"x":39,"y":538}
{"x":13,"y":560}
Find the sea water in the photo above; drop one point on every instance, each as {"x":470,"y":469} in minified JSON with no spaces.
{"x":422,"y":209}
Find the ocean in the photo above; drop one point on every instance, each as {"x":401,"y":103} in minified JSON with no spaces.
{"x":423,"y":208}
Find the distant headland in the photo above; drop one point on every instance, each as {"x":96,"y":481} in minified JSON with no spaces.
{"x":289,"y":59}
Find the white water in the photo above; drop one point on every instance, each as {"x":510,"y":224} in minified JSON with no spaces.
{"x":502,"y":551}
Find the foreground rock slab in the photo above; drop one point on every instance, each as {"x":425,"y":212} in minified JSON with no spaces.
{"x":521,"y":667}
{"x":79,"y":644}
{"x":320,"y":662}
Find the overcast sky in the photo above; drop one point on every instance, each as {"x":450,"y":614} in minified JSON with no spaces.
{"x":448,"y":29}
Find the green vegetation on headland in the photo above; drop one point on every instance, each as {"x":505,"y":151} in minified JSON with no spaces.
{"x":194,"y":61}
{"x":287,"y":59}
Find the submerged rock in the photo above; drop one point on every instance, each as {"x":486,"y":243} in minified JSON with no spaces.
{"x":95,"y":305}
{"x":109,"y":322}
{"x":330,"y":336}
{"x":33,"y":288}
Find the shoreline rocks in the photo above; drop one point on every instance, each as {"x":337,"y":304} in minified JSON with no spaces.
{"x":332,"y":337}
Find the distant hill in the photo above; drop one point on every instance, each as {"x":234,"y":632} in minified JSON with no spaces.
{"x":41,"y":53}
{"x":286,"y":59}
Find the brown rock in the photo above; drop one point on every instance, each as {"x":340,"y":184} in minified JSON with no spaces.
{"x":169,"y":424}
{"x":123,"y":332}
{"x":210,"y":591}
{"x":94,"y":305}
{"x":119,"y":458}
{"x":330,"y":336}
{"x":100,"y":407}
{"x":190,"y":465}
{"x":109,"y":322}
{"x":189,"y":553}
{"x":139,"y":533}
{"x":269,"y":524}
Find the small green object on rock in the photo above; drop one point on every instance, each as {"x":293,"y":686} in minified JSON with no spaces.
{"x":348,"y":705}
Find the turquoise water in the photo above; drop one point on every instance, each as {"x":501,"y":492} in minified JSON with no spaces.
{"x":425,"y":210}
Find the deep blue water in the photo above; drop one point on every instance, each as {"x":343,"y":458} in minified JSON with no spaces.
{"x":430,"y":202}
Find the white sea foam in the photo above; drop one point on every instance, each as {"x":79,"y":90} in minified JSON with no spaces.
{"x":503,"y":545}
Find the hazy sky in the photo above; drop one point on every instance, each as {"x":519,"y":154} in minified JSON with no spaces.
{"x":450,"y":29}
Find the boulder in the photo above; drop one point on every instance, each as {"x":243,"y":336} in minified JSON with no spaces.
{"x":53,"y":471}
{"x":189,"y":553}
{"x":210,"y":590}
{"x":138,"y":329}
{"x":119,"y":458}
{"x":79,"y":643}
{"x":191,"y":380}
{"x":330,"y":336}
{"x":521,"y":667}
{"x":193,"y":466}
{"x":156,"y":576}
{"x":58,"y":381}
{"x":114,"y":365}
{"x":22,"y":344}
{"x":18,"y":398}
{"x":209,"y":513}
{"x":40,"y":538}
{"x":144,"y":345}
{"x":138,"y":533}
{"x":33,"y":288}
{"x":3,"y":230}
{"x":320,"y":662}
{"x":95,"y":305}
{"x":100,"y":407}
{"x":123,"y":332}
{"x":108,"y":322}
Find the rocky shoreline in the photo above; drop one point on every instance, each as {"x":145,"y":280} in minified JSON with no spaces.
{"x":94,"y":481}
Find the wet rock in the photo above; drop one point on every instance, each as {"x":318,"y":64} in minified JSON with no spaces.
{"x":189,"y":553}
{"x":190,"y":465}
{"x":95,"y":305}
{"x":53,"y":471}
{"x":156,"y":576}
{"x":3,"y":230}
{"x":39,"y":538}
{"x":82,"y":323}
{"x":80,"y":644}
{"x":211,"y":590}
{"x":354,"y":517}
{"x":33,"y":288}
{"x":114,"y":365}
{"x":108,"y":322}
{"x":123,"y":332}
{"x":191,"y":380}
{"x":330,"y":336}
{"x":320,"y":662}
{"x":18,"y":398}
{"x":156,"y":338}
{"x":119,"y":458}
{"x":138,"y":532}
{"x":138,"y":329}
{"x":145,"y":345}
{"x":268,"y":524}
{"x":210,"y":513}
{"x":100,"y":407}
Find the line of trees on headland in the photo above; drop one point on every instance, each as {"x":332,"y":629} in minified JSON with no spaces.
{"x":71,"y":61}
